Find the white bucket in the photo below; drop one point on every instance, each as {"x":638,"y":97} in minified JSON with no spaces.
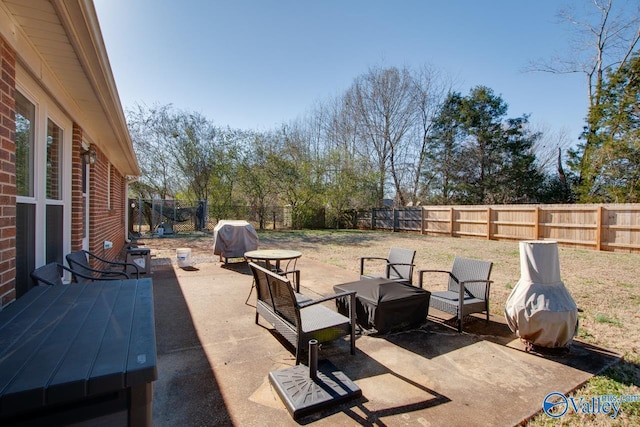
{"x":184,"y":257}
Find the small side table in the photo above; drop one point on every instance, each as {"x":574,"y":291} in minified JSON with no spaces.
{"x":141,"y":257}
{"x":272,"y":259}
{"x":275,"y":256}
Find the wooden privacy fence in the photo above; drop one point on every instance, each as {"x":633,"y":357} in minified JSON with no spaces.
{"x":607,"y":227}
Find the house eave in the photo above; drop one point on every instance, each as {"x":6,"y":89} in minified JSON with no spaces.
{"x":60,"y":45}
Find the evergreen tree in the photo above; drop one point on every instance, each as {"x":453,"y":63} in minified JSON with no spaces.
{"x":482,"y":157}
{"x":443,"y":152}
{"x":613,"y":135}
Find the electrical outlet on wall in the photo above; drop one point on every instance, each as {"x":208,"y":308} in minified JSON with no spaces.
{"x":108,"y":244}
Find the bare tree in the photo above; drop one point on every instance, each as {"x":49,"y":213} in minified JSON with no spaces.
{"x":151,"y":132}
{"x":605,"y":38}
{"x":385,"y":112}
{"x":546,"y":147}
{"x":205,"y":154}
{"x":331,"y":131}
{"x":253,"y":177}
{"x":339,"y":125}
{"x":430,"y":91}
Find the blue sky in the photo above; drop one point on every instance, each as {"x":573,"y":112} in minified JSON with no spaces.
{"x":257,"y":64}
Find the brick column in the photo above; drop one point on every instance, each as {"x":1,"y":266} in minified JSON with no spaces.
{"x":77,"y":203}
{"x":7,"y":174}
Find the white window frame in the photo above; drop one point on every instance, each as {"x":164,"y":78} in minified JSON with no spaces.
{"x":35,"y":129}
{"x":46,"y":108}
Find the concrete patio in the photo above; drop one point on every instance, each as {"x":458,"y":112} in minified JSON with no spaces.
{"x":213,"y":361}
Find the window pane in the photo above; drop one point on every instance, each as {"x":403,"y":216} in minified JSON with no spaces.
{"x":25,"y":246}
{"x":54,"y":161}
{"x":84,"y":174}
{"x":85,"y":184}
{"x":25,"y":118}
{"x":85,"y":222}
{"x":54,"y":235}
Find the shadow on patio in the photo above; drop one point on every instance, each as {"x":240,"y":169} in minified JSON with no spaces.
{"x":214,"y":361}
{"x":183,"y":368}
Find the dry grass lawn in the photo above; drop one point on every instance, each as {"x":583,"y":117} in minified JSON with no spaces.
{"x":604,"y":285}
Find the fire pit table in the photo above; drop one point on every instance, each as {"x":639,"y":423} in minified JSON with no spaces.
{"x":384,"y":305}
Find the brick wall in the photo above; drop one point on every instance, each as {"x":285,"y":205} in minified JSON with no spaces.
{"x":106,"y":217}
{"x":77,"y":204}
{"x":105,"y":223}
{"x":7,"y":174}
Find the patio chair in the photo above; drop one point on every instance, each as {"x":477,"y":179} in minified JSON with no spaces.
{"x":398,"y":265}
{"x":298,"y":318}
{"x":467,"y":289}
{"x":79,"y":263}
{"x":294,"y":280}
{"x":51,"y":275}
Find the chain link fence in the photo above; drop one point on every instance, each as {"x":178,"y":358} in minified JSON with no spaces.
{"x":167,"y":217}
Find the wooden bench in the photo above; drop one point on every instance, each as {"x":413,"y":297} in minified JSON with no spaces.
{"x":298,"y":318}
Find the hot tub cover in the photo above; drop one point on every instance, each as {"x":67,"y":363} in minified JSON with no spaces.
{"x":232,"y":238}
{"x":540,"y":309}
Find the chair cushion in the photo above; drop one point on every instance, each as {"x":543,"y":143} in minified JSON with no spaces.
{"x":300,"y":298}
{"x":453,"y":297}
{"x":448,"y":302}
{"x":318,"y":317}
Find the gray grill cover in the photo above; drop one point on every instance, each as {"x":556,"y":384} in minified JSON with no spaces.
{"x":232,"y":238}
{"x":540,"y":309}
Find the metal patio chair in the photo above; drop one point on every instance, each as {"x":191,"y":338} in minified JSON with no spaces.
{"x":51,"y":275}
{"x":79,"y":262}
{"x":398,"y":265}
{"x":467,"y":288}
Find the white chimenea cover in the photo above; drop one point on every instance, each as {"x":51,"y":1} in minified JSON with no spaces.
{"x":540,"y":309}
